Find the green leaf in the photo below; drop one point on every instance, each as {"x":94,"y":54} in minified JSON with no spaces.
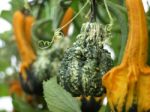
{"x":74,"y":5}
{"x":7,"y":15}
{"x":102,"y":109}
{"x":4,"y":89}
{"x":4,"y":64}
{"x":6,"y":36}
{"x":20,"y":105}
{"x":2,"y":111}
{"x":105,"y":108}
{"x":17,"y":4}
{"x":56,"y":13}
{"x":58,"y":100}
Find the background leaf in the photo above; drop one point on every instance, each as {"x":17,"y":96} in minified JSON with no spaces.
{"x":17,"y":4}
{"x":21,"y":106}
{"x":122,"y":19}
{"x":4,"y":89}
{"x":7,"y":15}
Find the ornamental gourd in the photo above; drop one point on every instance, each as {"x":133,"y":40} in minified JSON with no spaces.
{"x":128,"y":84}
{"x":26,"y":52}
{"x":67,"y":17}
{"x":85,"y":62}
{"x":22,"y":29}
{"x":40,"y":66}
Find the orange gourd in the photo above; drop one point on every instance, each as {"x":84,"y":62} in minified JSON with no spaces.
{"x":22,"y":37}
{"x":28,"y":27}
{"x":128,"y":84}
{"x":66,"y":18}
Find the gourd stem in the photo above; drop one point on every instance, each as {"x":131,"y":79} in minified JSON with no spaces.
{"x":93,"y":11}
{"x":108,"y":12}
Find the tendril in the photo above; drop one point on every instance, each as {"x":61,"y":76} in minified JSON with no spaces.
{"x":58,"y":34}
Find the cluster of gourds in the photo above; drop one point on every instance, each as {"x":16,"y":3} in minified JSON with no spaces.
{"x":36,"y":67}
{"x":83,"y":70}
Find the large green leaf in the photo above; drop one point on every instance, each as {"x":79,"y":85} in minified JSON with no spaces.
{"x":58,"y":100}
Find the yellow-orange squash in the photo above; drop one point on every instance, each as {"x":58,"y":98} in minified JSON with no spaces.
{"x":29,"y":20}
{"x":66,"y":18}
{"x":128,"y":84}
{"x":22,"y":31}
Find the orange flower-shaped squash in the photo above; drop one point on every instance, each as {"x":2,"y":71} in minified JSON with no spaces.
{"x":128,"y":84}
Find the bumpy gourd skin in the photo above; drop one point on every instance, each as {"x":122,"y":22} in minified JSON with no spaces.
{"x":85,"y":62}
{"x":47,"y":62}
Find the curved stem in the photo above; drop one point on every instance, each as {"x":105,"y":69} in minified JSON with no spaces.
{"x":93,"y":11}
{"x":110,"y":17}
